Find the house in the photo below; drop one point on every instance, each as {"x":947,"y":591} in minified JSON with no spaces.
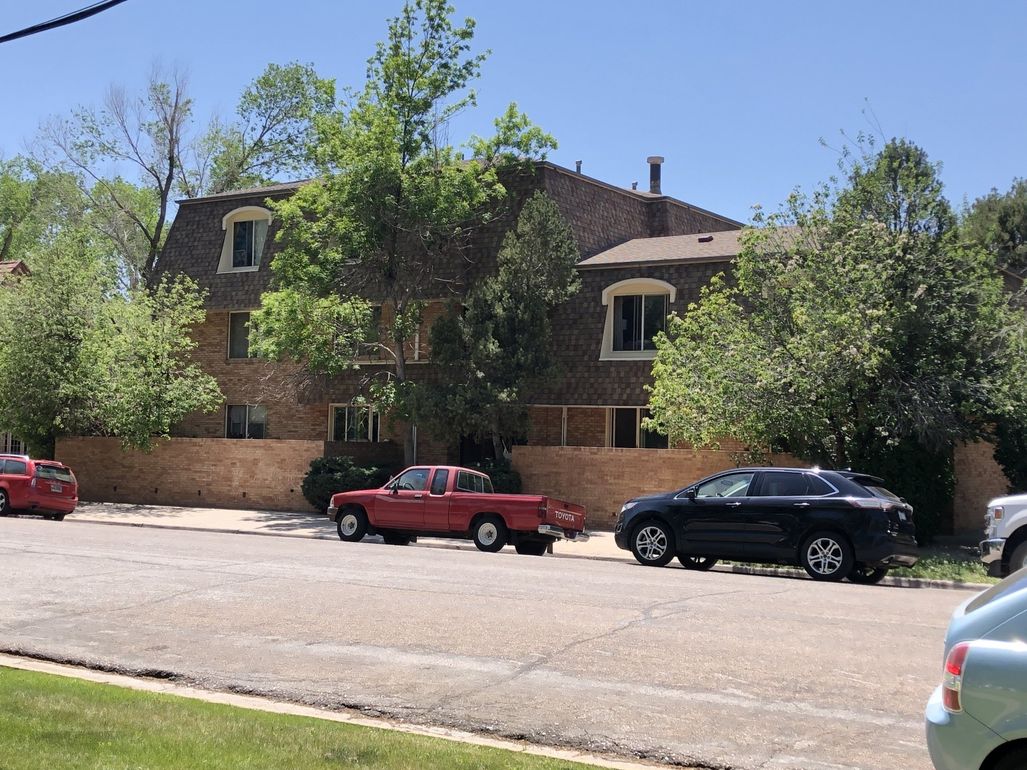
{"x":644,"y":255}
{"x":12,"y":268}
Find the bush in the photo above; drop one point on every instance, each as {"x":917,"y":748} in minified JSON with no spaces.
{"x":924,"y":478}
{"x":504,"y":478}
{"x":328,"y":475}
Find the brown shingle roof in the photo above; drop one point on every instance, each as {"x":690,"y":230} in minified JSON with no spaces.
{"x":701,"y":247}
{"x":13,"y":268}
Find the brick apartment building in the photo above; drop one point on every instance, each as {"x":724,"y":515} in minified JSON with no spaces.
{"x":644,"y":255}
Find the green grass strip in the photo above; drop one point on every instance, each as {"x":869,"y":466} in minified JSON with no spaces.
{"x":60,"y":723}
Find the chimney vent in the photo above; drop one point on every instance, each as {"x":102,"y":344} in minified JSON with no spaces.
{"x":577,"y":166}
{"x":655,"y":162}
{"x":634,"y":185}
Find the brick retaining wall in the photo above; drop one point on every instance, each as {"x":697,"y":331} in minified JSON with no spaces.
{"x":226,"y":473}
{"x":602,"y":478}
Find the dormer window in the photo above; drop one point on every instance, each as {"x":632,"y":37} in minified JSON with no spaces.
{"x":636,"y":311}
{"x":245,"y":235}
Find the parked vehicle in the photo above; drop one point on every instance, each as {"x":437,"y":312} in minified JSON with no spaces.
{"x":449,"y":501}
{"x":977,"y":718}
{"x":835,"y":524}
{"x":1004,"y":548}
{"x":36,"y":486}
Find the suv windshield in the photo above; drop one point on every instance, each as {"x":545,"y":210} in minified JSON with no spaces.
{"x":54,"y":473}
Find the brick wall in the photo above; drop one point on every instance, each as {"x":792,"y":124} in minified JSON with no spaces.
{"x":602,"y":479}
{"x":545,"y":425}
{"x":586,"y":426}
{"x":978,"y":479}
{"x":222,"y":473}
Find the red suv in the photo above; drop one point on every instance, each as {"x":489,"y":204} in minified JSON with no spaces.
{"x":36,"y":486}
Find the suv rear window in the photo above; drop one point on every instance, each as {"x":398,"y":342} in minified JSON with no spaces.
{"x":54,"y":473}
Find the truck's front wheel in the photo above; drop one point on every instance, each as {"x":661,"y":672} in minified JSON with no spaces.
{"x":1019,"y":558}
{"x":352,"y":525}
{"x":490,"y":534}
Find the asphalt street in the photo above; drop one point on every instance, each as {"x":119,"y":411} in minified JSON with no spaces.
{"x":708,"y":669}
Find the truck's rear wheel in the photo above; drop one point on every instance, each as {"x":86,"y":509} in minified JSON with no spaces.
{"x":490,"y":534}
{"x":352,"y":525}
{"x":531,"y":547}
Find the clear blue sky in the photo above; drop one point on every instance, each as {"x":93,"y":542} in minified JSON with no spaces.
{"x":735,"y":95}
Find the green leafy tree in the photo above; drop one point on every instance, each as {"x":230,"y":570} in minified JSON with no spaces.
{"x":859,"y":329}
{"x":999,"y":222}
{"x":270,"y":137}
{"x":392,"y":205}
{"x":78,"y":357}
{"x":492,"y":351}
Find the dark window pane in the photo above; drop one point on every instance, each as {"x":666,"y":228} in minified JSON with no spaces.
{"x":783,"y":484}
{"x":627,"y":323}
{"x":338,"y":423}
{"x":650,"y":438}
{"x":464,"y":482}
{"x":242,"y":244}
{"x":238,"y":335}
{"x":625,"y":428}
{"x":257,"y":427}
{"x":655,"y":318}
{"x":375,"y":426}
{"x":236,"y":422}
{"x":817,"y":486}
{"x":15,"y":468}
{"x":438,"y":484}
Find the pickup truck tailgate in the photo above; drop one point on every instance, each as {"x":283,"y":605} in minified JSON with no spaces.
{"x":562,"y":514}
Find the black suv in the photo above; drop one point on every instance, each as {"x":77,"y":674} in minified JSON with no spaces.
{"x":836,"y":524}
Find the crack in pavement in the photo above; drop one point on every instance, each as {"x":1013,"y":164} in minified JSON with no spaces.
{"x":646,"y":615}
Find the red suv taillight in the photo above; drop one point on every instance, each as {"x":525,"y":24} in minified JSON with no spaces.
{"x":953,"y":684}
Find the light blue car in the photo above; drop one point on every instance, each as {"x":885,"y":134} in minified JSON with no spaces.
{"x":977,"y":718}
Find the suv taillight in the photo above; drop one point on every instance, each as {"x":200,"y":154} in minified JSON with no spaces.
{"x":953,"y":684}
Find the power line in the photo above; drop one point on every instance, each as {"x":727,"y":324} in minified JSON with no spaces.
{"x":60,"y":21}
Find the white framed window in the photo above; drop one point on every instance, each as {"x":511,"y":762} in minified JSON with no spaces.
{"x":245,"y":235}
{"x":636,"y":311}
{"x":624,"y":429}
{"x":9,"y":445}
{"x":245,"y":421}
{"x":353,"y":422}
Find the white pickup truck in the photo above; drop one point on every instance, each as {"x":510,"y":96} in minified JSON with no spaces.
{"x":1004,"y":548}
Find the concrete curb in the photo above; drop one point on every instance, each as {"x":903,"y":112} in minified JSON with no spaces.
{"x":784,"y":572}
{"x":255,"y":703}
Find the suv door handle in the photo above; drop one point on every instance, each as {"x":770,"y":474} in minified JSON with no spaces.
{"x":801,"y":505}
{"x":732,"y":505}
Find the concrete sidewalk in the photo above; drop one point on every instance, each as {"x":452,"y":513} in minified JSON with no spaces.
{"x":311,"y":525}
{"x":291,"y":524}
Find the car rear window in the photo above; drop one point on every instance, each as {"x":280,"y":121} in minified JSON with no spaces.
{"x":55,"y":473}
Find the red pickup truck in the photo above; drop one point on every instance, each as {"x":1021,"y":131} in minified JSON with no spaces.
{"x":448,"y":501}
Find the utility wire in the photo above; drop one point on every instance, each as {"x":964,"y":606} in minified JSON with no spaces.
{"x":60,"y":21}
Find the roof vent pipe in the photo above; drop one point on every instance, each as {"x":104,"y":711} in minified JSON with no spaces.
{"x":655,"y":162}
{"x":577,"y":166}
{"x":634,"y":185}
